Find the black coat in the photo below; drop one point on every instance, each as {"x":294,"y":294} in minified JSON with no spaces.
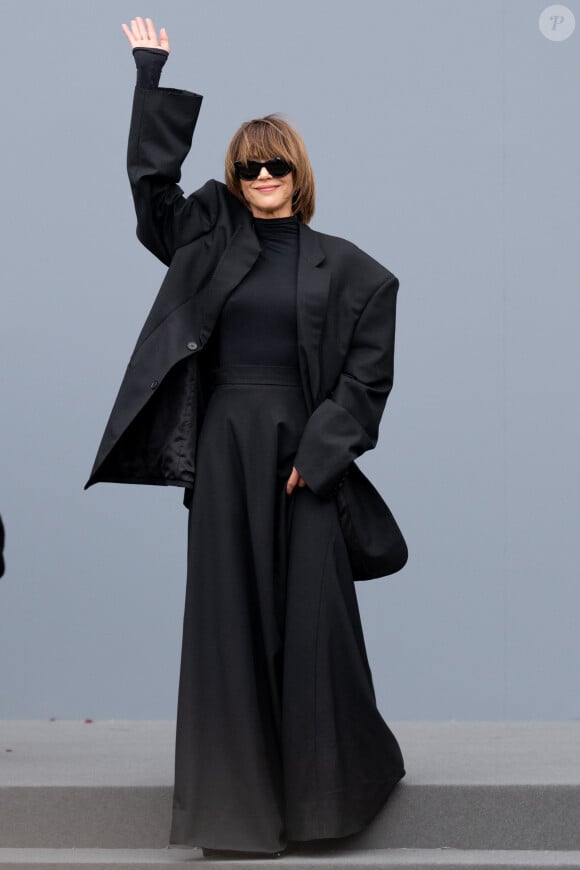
{"x":346,"y":304}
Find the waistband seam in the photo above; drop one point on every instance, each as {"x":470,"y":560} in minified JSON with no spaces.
{"x":255,"y":373}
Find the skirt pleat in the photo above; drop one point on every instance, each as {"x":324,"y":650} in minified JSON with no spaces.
{"x":278,"y":735}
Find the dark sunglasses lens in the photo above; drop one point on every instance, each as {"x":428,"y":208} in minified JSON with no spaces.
{"x":248,"y":170}
{"x":278,"y":168}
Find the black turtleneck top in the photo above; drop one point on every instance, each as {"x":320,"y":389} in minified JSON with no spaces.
{"x":257,"y":323}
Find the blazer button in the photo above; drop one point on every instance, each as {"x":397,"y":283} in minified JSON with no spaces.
{"x":154,"y":384}
{"x":191,"y":345}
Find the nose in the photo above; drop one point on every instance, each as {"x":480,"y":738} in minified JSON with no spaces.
{"x":264,"y":173}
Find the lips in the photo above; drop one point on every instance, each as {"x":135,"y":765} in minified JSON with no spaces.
{"x":269,"y":187}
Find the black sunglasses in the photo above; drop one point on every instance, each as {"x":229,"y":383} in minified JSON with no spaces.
{"x":250,"y":170}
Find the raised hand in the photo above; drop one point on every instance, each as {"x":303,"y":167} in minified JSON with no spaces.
{"x":142,"y":34}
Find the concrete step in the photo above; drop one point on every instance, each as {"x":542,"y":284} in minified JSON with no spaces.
{"x":371,"y":859}
{"x":470,"y":786}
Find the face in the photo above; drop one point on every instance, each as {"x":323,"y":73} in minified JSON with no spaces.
{"x":269,"y":197}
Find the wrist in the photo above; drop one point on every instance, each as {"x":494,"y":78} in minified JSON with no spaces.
{"x":149,"y":63}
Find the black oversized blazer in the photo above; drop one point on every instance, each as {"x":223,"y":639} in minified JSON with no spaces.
{"x":346,"y":304}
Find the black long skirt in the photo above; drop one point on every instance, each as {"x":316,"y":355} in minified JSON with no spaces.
{"x":278,"y":735}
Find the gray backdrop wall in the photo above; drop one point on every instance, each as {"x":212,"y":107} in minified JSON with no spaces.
{"x":444,"y":136}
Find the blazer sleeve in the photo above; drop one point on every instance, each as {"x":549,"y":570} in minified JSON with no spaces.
{"x":346,"y":423}
{"x":160,"y":135}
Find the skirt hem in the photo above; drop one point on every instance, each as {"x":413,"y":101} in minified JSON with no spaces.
{"x":356,"y":809}
{"x":368,"y":809}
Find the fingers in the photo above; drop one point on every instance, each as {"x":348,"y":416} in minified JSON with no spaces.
{"x":139,"y":29}
{"x":142,"y":34}
{"x":294,"y":480}
{"x":129,"y":35}
{"x":150,"y":29}
{"x":164,"y":39}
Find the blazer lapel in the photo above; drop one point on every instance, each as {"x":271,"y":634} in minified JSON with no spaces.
{"x":236,"y":261}
{"x":311,"y":302}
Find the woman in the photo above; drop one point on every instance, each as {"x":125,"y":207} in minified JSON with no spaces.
{"x":278,"y":735}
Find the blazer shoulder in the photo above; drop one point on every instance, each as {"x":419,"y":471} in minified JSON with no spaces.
{"x":229,"y":200}
{"x":219,"y":204}
{"x":346,"y":255}
{"x":223,"y":202}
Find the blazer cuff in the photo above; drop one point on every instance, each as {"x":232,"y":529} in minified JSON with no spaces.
{"x":331,"y":440}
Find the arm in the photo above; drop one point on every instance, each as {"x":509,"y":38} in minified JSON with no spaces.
{"x":346,"y":423}
{"x":161,"y":130}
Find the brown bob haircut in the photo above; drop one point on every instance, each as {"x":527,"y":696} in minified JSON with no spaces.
{"x":267,"y":137}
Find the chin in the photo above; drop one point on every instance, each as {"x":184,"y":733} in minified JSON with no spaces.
{"x":268,"y":205}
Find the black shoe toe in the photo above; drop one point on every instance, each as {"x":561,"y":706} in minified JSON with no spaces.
{"x":232,"y":854}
